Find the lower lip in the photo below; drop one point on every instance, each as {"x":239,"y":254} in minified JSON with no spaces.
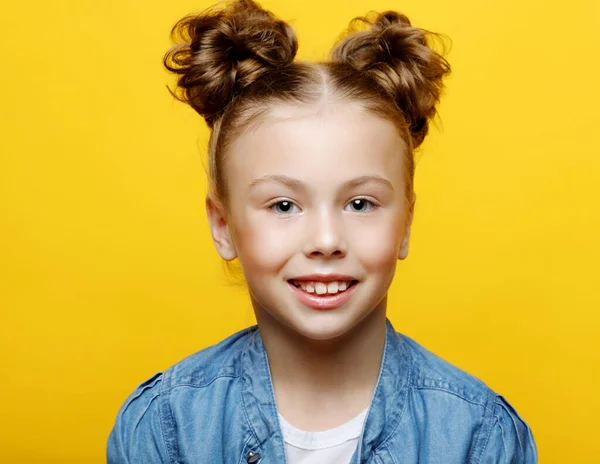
{"x":322,"y":302}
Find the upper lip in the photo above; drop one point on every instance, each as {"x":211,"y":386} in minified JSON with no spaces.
{"x":324,"y":277}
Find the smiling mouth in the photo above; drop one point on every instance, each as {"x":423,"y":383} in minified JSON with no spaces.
{"x":323,"y":288}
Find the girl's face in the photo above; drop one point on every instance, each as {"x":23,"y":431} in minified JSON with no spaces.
{"x":314,"y":193}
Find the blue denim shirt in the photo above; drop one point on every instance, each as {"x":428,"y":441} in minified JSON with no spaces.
{"x":218,"y":406}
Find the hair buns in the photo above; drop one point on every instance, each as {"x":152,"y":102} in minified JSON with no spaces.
{"x":225,"y":51}
{"x":396,"y":55}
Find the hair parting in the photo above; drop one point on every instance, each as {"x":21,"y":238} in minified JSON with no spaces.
{"x":237,"y":61}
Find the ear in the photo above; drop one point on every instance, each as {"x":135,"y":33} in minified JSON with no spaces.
{"x":403,"y":253}
{"x":217,"y":219}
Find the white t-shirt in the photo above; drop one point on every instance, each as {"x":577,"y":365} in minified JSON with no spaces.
{"x":333,"y":446}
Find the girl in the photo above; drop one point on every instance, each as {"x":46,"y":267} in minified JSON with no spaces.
{"x":311,"y":189}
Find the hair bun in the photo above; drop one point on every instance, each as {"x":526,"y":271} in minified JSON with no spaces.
{"x":397,"y":56}
{"x":225,"y":51}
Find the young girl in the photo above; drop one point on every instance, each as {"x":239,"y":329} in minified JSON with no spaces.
{"x":311,"y":189}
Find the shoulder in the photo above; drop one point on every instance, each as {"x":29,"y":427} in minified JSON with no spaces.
{"x":509,"y":439}
{"x":500,"y":435}
{"x":139,"y":433}
{"x":429,"y":371}
{"x":203,"y":367}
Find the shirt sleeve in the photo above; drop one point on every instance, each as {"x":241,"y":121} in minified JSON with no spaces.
{"x":137,"y":436}
{"x":511,"y":440}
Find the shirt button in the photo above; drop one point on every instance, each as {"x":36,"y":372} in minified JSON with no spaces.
{"x":252,"y":457}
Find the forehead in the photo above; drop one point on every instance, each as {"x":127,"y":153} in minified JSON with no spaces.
{"x":321,"y":146}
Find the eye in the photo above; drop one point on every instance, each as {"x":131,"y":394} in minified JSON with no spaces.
{"x":361,"y":205}
{"x":282,"y":207}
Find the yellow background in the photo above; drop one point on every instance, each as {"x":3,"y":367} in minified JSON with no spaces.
{"x":108,"y":273}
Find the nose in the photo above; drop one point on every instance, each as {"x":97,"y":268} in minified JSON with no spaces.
{"x":325,"y":236}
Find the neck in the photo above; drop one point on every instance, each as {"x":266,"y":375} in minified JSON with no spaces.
{"x":321,"y":375}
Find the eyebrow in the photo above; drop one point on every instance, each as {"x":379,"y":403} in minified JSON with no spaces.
{"x":298,"y":185}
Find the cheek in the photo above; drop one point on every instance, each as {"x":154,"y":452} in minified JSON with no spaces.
{"x":261,"y":245}
{"x":377,"y":245}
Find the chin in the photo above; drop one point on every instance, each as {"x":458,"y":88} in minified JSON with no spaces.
{"x":323,"y":325}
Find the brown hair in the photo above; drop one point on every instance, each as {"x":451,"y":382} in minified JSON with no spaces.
{"x":234,"y":63}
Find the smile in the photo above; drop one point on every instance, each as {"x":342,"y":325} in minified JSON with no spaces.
{"x":323,"y":288}
{"x":323,"y":295}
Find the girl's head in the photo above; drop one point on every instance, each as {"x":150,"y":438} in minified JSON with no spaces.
{"x":310,"y":164}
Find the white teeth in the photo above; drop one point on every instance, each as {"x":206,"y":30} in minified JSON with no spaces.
{"x":321,"y":288}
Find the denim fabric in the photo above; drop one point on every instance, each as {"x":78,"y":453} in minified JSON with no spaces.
{"x":218,"y":406}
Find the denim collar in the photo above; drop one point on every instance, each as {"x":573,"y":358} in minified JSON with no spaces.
{"x":385,"y":411}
